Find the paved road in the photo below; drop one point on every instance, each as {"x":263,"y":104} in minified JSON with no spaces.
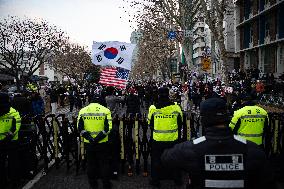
{"x":60,"y":179}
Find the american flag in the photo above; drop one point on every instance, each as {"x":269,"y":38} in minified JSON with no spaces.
{"x":114,"y":76}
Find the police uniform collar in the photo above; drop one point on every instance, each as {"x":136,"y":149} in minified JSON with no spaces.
{"x":216,"y":132}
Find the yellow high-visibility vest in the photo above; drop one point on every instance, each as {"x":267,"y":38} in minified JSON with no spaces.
{"x":6,"y":123}
{"x":94,"y":116}
{"x":252,"y":120}
{"x":165,"y":122}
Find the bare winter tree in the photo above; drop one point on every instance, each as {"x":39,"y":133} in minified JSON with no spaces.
{"x":154,"y":48}
{"x":215,"y":12}
{"x":182,"y":15}
{"x":73,"y":61}
{"x":25,"y":44}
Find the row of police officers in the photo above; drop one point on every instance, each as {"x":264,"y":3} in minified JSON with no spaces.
{"x":225,"y":157}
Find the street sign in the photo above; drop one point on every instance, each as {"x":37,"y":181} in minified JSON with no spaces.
{"x":172,"y":35}
{"x":188,"y":33}
{"x":206,"y":64}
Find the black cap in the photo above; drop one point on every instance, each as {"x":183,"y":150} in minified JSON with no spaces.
{"x":213,"y":106}
{"x":96,"y":98}
{"x":110,"y":90}
{"x":163,"y":92}
{"x":246,"y":97}
{"x":4,"y":103}
{"x":213,"y":112}
{"x":4,"y":98}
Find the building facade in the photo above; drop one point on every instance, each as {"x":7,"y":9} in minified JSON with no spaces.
{"x":232,"y":59}
{"x":134,"y":39}
{"x":260,"y":34}
{"x":198,"y":41}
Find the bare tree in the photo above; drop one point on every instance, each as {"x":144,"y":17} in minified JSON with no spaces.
{"x":73,"y":61}
{"x":25,"y":44}
{"x":215,"y":12}
{"x":155,"y":49}
{"x":182,"y":15}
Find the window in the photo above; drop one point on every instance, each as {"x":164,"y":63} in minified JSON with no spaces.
{"x":267,"y":27}
{"x":269,"y":59}
{"x":202,"y":29}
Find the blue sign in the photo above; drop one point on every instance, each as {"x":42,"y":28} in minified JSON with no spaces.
{"x":172,"y":35}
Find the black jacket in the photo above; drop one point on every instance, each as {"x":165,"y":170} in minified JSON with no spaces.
{"x":185,"y":156}
{"x":23,"y":105}
{"x":132,"y":103}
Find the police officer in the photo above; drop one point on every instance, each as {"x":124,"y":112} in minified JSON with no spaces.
{"x":165,"y":121}
{"x":10,"y":122}
{"x":220,"y":159}
{"x":94,"y":125}
{"x":250,"y":122}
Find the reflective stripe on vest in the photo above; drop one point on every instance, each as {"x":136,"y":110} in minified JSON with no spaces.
{"x":165,"y":131}
{"x":176,"y":112}
{"x":253,"y":116}
{"x":95,"y":132}
{"x":224,"y":183}
{"x":250,"y":135}
{"x":93,"y":114}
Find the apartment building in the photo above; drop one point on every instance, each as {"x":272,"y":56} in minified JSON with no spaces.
{"x":260,"y":34}
{"x":198,"y":41}
{"x":134,"y":39}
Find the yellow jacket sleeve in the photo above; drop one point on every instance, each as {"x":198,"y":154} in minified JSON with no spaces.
{"x":151,"y":111}
{"x":109,"y":119}
{"x":18,"y":119}
{"x":235,"y":119}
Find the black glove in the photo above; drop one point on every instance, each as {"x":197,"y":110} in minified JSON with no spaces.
{"x":9,"y":136}
{"x":88,"y":136}
{"x":98,"y":138}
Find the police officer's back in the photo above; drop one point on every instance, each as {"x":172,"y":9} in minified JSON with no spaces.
{"x":165,"y":120}
{"x":250,"y":122}
{"x":10,"y":122}
{"x":220,"y":159}
{"x":94,"y":125}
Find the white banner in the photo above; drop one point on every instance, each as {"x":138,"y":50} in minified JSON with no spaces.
{"x":113,"y":53}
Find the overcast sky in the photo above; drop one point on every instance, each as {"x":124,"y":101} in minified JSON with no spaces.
{"x":85,"y":21}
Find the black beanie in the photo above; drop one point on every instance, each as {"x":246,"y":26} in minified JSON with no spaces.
{"x":213,"y":111}
{"x":4,"y":103}
{"x":163,"y":92}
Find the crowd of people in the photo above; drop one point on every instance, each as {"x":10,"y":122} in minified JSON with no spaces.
{"x":165,"y":102}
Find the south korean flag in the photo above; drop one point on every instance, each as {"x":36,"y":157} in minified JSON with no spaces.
{"x":112,"y":53}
